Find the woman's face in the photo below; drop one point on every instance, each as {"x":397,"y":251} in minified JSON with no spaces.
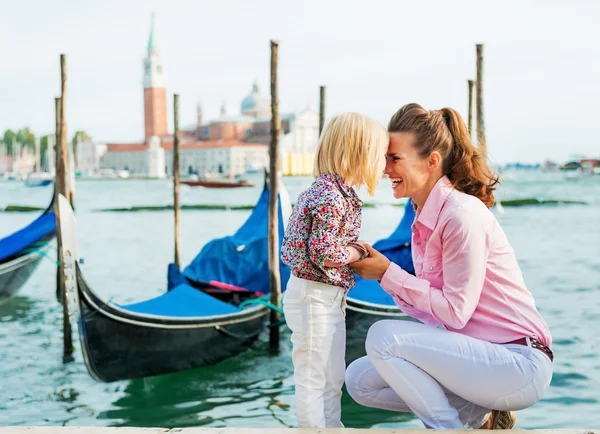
{"x":409,"y":172}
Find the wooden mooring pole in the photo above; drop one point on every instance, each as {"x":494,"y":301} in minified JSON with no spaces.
{"x":275,"y":281}
{"x":57,"y":190}
{"x":471,"y":83}
{"x":479,"y":99}
{"x":71,"y":169}
{"x":176,"y":178}
{"x":321,"y":109}
{"x":63,"y":188}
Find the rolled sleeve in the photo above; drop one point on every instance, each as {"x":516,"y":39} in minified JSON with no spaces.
{"x":394,"y":278}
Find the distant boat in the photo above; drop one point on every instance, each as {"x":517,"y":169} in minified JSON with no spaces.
{"x":39,"y":179}
{"x":107,"y":173}
{"x":210,"y":313}
{"x":21,"y":252}
{"x":218,"y":184}
{"x":38,"y":182}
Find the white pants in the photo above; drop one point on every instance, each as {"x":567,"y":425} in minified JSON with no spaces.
{"x":315,"y":313}
{"x":446,"y":379}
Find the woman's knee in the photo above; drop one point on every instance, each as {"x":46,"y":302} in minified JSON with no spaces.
{"x":355,"y":380}
{"x":378,"y":336}
{"x":385,"y":333}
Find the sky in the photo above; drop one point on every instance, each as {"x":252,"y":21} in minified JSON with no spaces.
{"x":541,"y":84}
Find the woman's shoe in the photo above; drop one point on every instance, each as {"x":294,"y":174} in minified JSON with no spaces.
{"x":502,"y":419}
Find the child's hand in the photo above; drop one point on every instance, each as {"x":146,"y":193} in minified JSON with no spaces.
{"x":373,"y":267}
{"x":355,"y":254}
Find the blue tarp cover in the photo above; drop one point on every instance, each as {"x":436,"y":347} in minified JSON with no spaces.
{"x":39,"y":228}
{"x":241,"y":259}
{"x":183,"y":301}
{"x":397,"y":249}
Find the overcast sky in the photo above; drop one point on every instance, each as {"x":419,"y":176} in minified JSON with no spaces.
{"x":542,"y":62}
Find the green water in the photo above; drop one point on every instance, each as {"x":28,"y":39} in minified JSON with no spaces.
{"x":125,"y":258}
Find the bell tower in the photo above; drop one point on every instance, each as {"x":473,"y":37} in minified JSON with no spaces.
{"x":155,"y":93}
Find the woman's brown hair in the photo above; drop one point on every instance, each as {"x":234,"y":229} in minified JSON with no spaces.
{"x":445,"y":131}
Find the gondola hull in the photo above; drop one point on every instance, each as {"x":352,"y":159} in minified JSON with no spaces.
{"x":22,"y":252}
{"x":15,"y":273}
{"x":186,"y":327}
{"x":119,"y":345}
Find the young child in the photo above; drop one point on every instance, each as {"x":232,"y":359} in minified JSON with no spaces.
{"x":321,"y":240}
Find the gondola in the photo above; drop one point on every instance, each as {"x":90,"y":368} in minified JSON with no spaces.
{"x":367,"y":302}
{"x":210,"y":312}
{"x":22,"y":251}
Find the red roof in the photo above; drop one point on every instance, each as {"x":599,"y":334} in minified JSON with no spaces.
{"x":125,"y":147}
{"x":167,"y":144}
{"x":592,"y":161}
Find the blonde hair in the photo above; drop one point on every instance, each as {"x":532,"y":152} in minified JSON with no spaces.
{"x":354,"y":147}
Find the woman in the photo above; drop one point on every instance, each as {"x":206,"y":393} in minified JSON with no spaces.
{"x":491,"y":356}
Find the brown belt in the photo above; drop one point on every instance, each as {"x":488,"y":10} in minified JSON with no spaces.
{"x":535,"y":344}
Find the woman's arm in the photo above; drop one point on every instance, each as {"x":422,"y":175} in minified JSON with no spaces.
{"x":464,"y":259}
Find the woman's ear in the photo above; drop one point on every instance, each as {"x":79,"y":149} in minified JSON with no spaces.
{"x":434,"y":161}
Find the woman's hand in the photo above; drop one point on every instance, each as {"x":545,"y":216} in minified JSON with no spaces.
{"x":373,"y":267}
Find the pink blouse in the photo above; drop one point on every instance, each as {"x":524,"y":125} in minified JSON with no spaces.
{"x":467,"y":275}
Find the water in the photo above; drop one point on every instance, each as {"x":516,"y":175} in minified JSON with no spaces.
{"x":126,"y":255}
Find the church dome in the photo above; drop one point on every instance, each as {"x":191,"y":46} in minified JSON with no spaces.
{"x":255,"y":104}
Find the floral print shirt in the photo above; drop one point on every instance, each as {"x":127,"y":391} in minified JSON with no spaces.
{"x":326,"y":217}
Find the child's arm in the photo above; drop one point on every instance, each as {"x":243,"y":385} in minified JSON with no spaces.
{"x":353,"y":257}
{"x":324,"y":246}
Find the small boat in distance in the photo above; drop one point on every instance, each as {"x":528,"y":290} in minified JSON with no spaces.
{"x":38,"y":182}
{"x":39,"y":179}
{"x":210,"y":183}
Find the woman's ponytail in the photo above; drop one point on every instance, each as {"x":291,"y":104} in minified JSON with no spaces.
{"x":466,"y":165}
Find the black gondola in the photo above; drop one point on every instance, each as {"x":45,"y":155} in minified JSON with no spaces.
{"x":209,"y":314}
{"x":367,"y":302}
{"x":22,"y":251}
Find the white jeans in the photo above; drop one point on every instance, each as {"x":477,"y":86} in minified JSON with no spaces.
{"x":315,"y":313}
{"x":446,"y":379}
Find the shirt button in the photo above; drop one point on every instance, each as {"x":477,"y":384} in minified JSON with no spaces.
{"x":430,"y":267}
{"x":418,"y":244}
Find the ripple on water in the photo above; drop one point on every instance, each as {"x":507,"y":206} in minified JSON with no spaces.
{"x":571,"y":400}
{"x":569,"y":379}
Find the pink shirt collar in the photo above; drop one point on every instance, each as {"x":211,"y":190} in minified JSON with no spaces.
{"x":430,"y":213}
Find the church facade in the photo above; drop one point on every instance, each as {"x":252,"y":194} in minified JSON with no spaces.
{"x":229,"y":145}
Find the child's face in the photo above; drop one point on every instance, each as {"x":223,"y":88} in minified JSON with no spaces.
{"x":407,"y":170}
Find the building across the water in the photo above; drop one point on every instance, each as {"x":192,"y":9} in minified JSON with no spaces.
{"x":229,"y":145}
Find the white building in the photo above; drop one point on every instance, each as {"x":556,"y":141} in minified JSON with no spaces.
{"x":219,"y":157}
{"x":89,"y":154}
{"x":156,"y":159}
{"x":229,"y":157}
